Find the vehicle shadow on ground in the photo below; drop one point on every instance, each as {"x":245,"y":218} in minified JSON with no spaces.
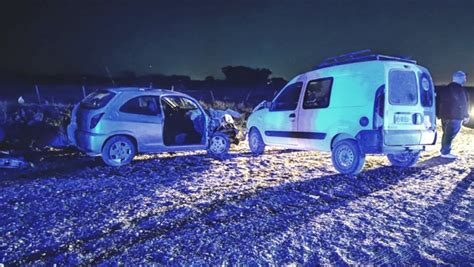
{"x":79,"y":188}
{"x":433,"y":162}
{"x":276,"y":210}
{"x":270,"y":211}
{"x":436,"y":219}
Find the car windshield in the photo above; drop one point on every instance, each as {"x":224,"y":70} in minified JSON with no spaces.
{"x":97,"y":99}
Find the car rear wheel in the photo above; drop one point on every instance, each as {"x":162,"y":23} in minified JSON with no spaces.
{"x":404,"y":159}
{"x":256,"y":144}
{"x":347,"y":157}
{"x":118,"y":151}
{"x":219,"y":145}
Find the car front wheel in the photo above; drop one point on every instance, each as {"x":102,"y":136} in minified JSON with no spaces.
{"x":347,"y":157}
{"x":118,"y":151}
{"x":219,"y":145}
{"x":404,"y":159}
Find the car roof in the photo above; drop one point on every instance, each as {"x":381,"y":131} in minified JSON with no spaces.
{"x":144,"y":91}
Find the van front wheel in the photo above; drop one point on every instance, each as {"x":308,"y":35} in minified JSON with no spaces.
{"x":256,"y":144}
{"x":404,"y":159}
{"x":347,"y":157}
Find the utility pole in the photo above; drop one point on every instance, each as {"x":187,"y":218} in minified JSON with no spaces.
{"x":110,"y":76}
{"x":38,"y":94}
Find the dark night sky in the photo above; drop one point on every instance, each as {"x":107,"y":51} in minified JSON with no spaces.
{"x":197,"y":38}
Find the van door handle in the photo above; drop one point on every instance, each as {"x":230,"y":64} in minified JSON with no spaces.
{"x":292,"y":115}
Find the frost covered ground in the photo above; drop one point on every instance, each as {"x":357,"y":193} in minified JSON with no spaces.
{"x":280,"y":208}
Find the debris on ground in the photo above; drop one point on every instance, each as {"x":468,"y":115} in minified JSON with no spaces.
{"x":8,"y":161}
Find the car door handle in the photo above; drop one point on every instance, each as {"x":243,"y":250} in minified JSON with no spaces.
{"x":292,"y":115}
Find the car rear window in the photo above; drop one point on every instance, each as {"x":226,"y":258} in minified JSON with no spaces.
{"x":403,"y":88}
{"x":97,"y":99}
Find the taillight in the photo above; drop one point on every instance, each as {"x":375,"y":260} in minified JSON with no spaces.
{"x":96,"y":120}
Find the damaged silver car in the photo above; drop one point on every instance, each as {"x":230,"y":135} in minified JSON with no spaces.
{"x":118,"y":123}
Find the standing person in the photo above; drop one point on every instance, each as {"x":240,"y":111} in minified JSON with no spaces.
{"x":453,"y":111}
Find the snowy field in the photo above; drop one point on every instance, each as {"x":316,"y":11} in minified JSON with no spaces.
{"x":283,"y":207}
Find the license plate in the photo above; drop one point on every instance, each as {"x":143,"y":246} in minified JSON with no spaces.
{"x":403,"y":119}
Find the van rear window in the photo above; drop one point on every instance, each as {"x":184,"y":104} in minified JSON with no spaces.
{"x":426,"y":90}
{"x":402,"y":88}
{"x":97,"y":99}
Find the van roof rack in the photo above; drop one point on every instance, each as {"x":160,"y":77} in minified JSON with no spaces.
{"x":359,"y":56}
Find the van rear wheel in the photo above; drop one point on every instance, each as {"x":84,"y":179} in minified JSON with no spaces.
{"x":347,"y":157}
{"x":118,"y":151}
{"x":404,"y":159}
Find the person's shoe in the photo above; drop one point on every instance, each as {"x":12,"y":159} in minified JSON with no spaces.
{"x":449,"y":156}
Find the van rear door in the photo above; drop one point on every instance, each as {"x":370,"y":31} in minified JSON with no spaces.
{"x":404,"y":114}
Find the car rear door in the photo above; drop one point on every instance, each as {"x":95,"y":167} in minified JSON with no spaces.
{"x":142,"y":116}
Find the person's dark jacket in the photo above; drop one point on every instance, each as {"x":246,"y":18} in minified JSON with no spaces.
{"x":453,"y":102}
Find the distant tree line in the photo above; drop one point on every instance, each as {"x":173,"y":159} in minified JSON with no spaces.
{"x":246,"y":80}
{"x":234,"y":76}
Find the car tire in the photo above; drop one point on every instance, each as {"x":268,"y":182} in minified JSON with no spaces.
{"x":118,"y":151}
{"x":256,"y":144}
{"x":219,"y":145}
{"x":404,"y":159}
{"x":347,"y":157}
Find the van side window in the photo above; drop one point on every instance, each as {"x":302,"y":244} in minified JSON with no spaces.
{"x":288,"y":98}
{"x":144,"y":105}
{"x":317,"y":93}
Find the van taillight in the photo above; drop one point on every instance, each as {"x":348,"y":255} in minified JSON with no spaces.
{"x":96,"y":120}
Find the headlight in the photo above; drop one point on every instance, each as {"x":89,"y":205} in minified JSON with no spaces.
{"x":228,"y":118}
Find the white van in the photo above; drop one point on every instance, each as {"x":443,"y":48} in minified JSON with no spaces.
{"x":352,"y":105}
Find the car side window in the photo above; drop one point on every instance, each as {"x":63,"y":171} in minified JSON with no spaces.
{"x":288,"y":98}
{"x":178,"y":102}
{"x":143,"y":105}
{"x":318,"y":93}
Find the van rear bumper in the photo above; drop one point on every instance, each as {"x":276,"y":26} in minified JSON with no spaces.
{"x":378,"y":142}
{"x":409,"y":137}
